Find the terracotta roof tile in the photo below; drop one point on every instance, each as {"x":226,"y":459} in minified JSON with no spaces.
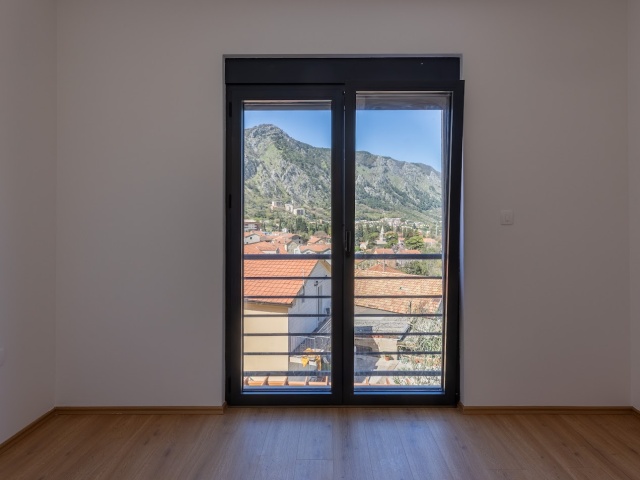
{"x":260,"y":247}
{"x":393,"y":285}
{"x":276,"y":286}
{"x":383,"y":268}
{"x":315,"y":248}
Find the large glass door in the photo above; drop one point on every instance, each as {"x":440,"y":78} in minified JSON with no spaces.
{"x":342,"y":250}
{"x":399,"y":165}
{"x":287,"y":161}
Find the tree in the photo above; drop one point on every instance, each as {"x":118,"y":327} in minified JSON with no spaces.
{"x":372,"y":238}
{"x":359,"y":234}
{"x":392,"y":239}
{"x":414,"y":243}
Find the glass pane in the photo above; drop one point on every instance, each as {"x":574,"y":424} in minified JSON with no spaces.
{"x":287,"y":211}
{"x":399,"y":219}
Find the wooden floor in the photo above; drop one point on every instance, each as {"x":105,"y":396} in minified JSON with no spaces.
{"x":328,"y":443}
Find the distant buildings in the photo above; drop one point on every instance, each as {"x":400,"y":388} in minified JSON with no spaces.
{"x":250,"y":225}
{"x":251,"y":237}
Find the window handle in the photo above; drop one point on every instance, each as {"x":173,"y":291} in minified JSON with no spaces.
{"x":347,"y":243}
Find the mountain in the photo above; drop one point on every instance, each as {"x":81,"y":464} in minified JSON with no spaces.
{"x":278,"y":167}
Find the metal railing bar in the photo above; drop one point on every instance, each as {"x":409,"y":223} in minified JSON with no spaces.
{"x":397,"y":352}
{"x":328,"y":354}
{"x":329,"y":296}
{"x":404,"y":277}
{"x":289,"y":278}
{"x":290,"y":354}
{"x":357,"y":335}
{"x":300,"y":334}
{"x":287,"y":373}
{"x":398,"y":256}
{"x":285,"y":296}
{"x":397,"y":296}
{"x":357,"y":278}
{"x":359,"y":315}
{"x":359,"y":373}
{"x":397,"y":373}
{"x":287,"y":256}
{"x":393,"y":315}
{"x":358,"y":256}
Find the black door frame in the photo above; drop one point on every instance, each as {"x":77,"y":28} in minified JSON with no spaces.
{"x":286,"y":79}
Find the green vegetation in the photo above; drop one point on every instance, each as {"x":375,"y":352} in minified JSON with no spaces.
{"x":280,"y":168}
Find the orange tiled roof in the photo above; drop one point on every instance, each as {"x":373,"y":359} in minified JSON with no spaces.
{"x":260,"y":247}
{"x":383,"y":268}
{"x":275,"y":286}
{"x":285,"y":238}
{"x":394,"y":284}
{"x":315,"y":248}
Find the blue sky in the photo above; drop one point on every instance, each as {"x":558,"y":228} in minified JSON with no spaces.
{"x":408,"y":135}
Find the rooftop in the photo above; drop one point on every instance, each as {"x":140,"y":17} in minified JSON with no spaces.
{"x":275,"y":286}
{"x":392,"y":285}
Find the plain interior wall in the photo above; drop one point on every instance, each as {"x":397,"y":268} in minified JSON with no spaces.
{"x":27,"y":211}
{"x":634,"y":194}
{"x":141,"y":180}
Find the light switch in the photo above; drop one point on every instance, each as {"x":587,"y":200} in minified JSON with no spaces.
{"x":506,"y":217}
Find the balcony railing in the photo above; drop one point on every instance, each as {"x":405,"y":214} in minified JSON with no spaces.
{"x":398,"y":325}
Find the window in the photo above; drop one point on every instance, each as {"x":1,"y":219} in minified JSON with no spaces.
{"x":343,"y":180}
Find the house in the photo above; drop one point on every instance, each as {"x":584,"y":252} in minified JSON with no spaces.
{"x":251,"y":237}
{"x":250,"y":225}
{"x":382,"y":291}
{"x":290,"y":241}
{"x":319,"y":249}
{"x":261,"y":248}
{"x":113,"y":199}
{"x":383,"y":267}
{"x":273,"y":315}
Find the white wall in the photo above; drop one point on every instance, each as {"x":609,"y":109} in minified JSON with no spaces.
{"x":634,"y":194}
{"x":140,"y":199}
{"x":27,"y":210}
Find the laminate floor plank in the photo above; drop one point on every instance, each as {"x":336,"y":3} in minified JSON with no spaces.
{"x":351,"y":460}
{"x":570,"y":449}
{"x":611,"y":443}
{"x":421,"y":448}
{"x":246,"y":445}
{"x":316,"y":436}
{"x":491,"y":442}
{"x":457,"y":452}
{"x":278,"y":456}
{"x":212,"y":448}
{"x":313,"y":469}
{"x":328,"y":443}
{"x":387,"y":455}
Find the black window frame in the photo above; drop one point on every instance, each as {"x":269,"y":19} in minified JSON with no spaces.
{"x":338,"y":79}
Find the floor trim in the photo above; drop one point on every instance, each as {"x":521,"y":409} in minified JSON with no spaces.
{"x":8,"y":443}
{"x":636,"y":411}
{"x":141,"y":410}
{"x":528,"y":410}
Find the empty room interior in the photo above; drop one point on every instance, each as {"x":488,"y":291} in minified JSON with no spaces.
{"x":129,"y":311}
